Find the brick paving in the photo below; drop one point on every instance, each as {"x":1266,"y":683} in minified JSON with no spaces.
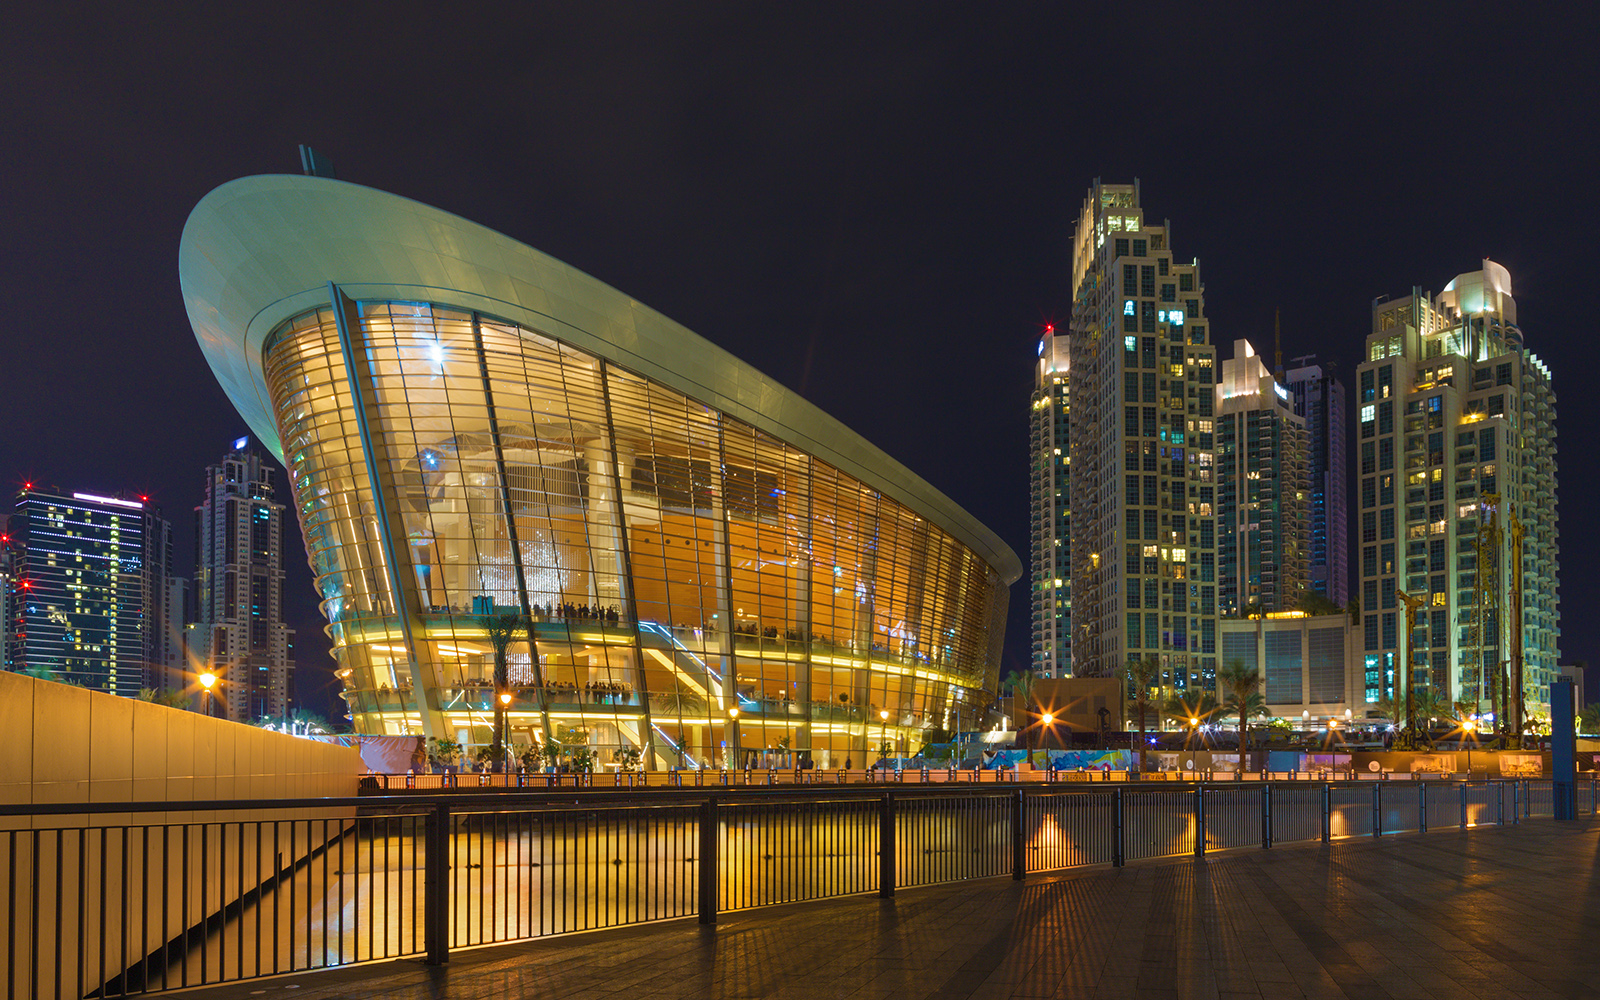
{"x":1509,"y":912}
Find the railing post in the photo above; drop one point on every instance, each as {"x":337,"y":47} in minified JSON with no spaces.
{"x":1266,"y":816}
{"x":1422,"y":806}
{"x":708,"y":861}
{"x":1499,"y":802}
{"x":436,"y":884}
{"x":1377,"y":809}
{"x":1516,"y":801}
{"x":1527,"y":798}
{"x":1327,"y":812}
{"x":1118,"y":851}
{"x":1464,"y":785}
{"x":1019,"y":847}
{"x":1199,"y":821}
{"x":886,"y":846}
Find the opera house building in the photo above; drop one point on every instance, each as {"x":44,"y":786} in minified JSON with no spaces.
{"x":705,"y":569}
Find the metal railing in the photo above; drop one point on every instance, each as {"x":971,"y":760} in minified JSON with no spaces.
{"x":119,"y":899}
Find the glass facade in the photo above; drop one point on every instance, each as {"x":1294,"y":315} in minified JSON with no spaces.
{"x":693,"y":587}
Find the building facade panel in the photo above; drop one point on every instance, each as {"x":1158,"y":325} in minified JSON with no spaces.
{"x":1313,"y":664}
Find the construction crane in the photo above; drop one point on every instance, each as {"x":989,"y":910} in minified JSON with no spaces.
{"x":1408,"y":736}
{"x":1517,"y":690}
{"x":1488,"y":609}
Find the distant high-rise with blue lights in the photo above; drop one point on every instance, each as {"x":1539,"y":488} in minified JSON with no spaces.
{"x":87,"y":575}
{"x":240,"y":633}
{"x":1319,"y":400}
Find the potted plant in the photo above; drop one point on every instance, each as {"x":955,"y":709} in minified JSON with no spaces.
{"x":533,"y":757}
{"x":488,"y":758}
{"x":628,"y":758}
{"x":582,"y":759}
{"x":444,"y":755}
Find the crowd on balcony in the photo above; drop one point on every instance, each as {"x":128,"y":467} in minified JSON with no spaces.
{"x":577,"y":612}
{"x":594,"y":692}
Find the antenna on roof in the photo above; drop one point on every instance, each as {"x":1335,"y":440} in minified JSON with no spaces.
{"x":314,"y":164}
{"x":1277,"y":346}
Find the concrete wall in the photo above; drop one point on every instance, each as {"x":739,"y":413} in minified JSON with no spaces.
{"x":66,"y":744}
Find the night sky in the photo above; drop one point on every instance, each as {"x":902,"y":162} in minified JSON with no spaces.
{"x":873,"y":203}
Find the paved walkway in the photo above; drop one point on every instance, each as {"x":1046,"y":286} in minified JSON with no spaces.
{"x":1504,"y":913}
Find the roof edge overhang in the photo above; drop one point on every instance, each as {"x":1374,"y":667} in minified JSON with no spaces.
{"x":259,"y":250}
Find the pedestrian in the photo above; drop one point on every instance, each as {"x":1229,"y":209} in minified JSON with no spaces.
{"x":847,"y":763}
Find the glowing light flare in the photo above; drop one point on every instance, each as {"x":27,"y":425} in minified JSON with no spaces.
{"x":113,"y":501}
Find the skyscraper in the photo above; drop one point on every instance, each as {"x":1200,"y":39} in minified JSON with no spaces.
{"x":239,"y":587}
{"x":1320,"y":399}
{"x":1142,"y":433}
{"x":173,"y":670}
{"x":1264,"y":527}
{"x":1457,"y":474}
{"x":7,"y":579}
{"x":88,"y":572}
{"x":1051,"y":509}
{"x":156,"y":581}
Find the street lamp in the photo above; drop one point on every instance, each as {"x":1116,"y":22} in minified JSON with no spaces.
{"x":883,"y":739}
{"x":1194,"y":727}
{"x":504,"y":737}
{"x":207,"y":681}
{"x":733,"y":723}
{"x":1471,"y":729}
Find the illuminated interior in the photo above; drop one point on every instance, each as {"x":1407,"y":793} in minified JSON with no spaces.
{"x":673,"y":564}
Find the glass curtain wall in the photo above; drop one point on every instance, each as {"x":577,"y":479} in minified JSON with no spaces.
{"x":686,"y":585}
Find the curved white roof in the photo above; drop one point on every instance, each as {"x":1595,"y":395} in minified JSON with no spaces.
{"x":261,"y":249}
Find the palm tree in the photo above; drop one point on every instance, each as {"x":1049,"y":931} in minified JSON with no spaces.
{"x":1589,"y":719}
{"x":1430,"y":705}
{"x":1190,"y":711}
{"x":1142,"y":674}
{"x":1391,"y":705}
{"x":164,"y":696}
{"x":309,"y":720}
{"x":1203,"y":706}
{"x":1244,"y":698}
{"x":502,"y":630}
{"x":1020,"y":684}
